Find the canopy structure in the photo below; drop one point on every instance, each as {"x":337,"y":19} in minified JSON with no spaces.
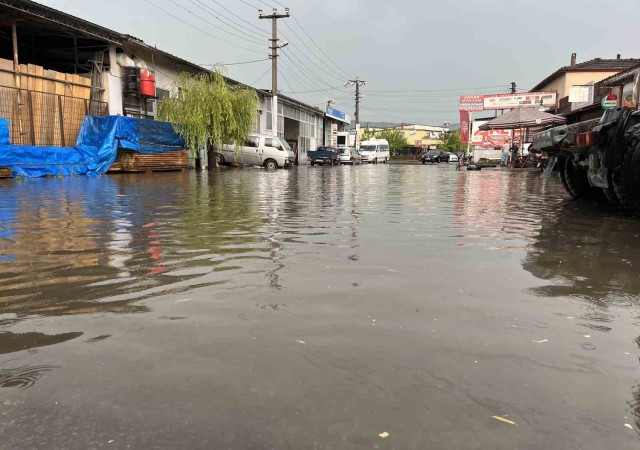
{"x":523,"y":118}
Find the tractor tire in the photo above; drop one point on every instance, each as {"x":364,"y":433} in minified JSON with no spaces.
{"x":625,"y":180}
{"x":576,"y":182}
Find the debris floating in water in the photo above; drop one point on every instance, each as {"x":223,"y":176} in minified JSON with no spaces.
{"x":300,"y":342}
{"x":183,"y":300}
{"x":384,"y":435}
{"x":502,"y":419}
{"x":628,"y":426}
{"x":541,"y":341}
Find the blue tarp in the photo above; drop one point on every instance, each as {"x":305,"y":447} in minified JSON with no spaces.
{"x":96,"y":147}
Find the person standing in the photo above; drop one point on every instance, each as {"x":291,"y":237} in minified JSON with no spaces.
{"x":505,"y":154}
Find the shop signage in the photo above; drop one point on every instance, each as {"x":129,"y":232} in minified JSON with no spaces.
{"x":338,"y":115}
{"x":610,"y":102}
{"x":471,"y":102}
{"x":546,"y":99}
{"x":334,"y":135}
{"x":521,"y":100}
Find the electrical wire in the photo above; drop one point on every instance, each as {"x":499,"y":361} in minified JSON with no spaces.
{"x":199,"y":29}
{"x":234,"y":64}
{"x":261,"y":76}
{"x":241,"y":19}
{"x":302,"y":68}
{"x":313,"y":53}
{"x":217,"y":14}
{"x":319,"y":48}
{"x":249,"y":39}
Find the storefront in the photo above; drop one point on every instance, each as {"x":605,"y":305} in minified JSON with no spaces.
{"x":335,"y":123}
{"x":299,"y":124}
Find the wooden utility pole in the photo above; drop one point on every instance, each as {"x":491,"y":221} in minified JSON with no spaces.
{"x":274,"y":16}
{"x":357,"y":82}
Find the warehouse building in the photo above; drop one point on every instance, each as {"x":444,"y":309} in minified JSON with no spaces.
{"x":56,"y":68}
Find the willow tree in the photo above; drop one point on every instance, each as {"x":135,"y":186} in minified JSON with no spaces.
{"x":207,"y":110}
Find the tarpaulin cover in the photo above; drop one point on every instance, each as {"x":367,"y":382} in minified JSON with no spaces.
{"x":96,"y":147}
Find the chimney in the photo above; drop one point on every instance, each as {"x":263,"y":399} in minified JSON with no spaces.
{"x":618,"y":56}
{"x":573,"y":59}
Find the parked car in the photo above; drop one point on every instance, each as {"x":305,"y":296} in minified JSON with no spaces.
{"x":259,"y":150}
{"x":449,"y":157}
{"x":349,"y":155}
{"x":375,"y":151}
{"x":432,"y":156}
{"x":323,"y":155}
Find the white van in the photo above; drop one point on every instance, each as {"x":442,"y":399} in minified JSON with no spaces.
{"x":375,"y":151}
{"x":259,"y":150}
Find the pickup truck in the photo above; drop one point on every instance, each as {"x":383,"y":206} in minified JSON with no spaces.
{"x":324,"y":155}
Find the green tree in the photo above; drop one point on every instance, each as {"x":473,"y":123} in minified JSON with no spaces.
{"x":451,"y":142}
{"x":207,"y":110}
{"x":396,"y":138}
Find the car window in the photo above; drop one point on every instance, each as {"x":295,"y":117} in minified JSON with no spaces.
{"x":270,"y":142}
{"x":253,"y":141}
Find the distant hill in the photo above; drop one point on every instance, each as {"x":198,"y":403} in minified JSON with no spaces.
{"x":453,"y":127}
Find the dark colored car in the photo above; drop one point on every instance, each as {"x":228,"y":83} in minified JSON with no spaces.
{"x":433,"y":156}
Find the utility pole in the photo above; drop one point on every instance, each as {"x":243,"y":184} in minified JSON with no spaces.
{"x":274,"y":16}
{"x":357,"y":82}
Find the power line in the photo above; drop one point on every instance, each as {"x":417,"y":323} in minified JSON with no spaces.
{"x":264,"y":33}
{"x":319,"y":48}
{"x":308,"y":72}
{"x":199,"y":29}
{"x":214,"y":13}
{"x":321,"y":67}
{"x":249,"y":39}
{"x":234,"y":64}
{"x":411,"y":91}
{"x":261,"y":76}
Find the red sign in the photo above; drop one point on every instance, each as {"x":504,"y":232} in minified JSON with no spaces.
{"x":471,"y":102}
{"x":464,"y":127}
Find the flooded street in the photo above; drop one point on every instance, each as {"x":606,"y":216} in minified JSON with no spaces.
{"x":316,"y":308}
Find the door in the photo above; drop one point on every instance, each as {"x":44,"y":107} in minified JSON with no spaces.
{"x":271,"y":150}
{"x":251,"y":151}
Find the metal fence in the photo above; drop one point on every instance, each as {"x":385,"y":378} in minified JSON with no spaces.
{"x":41,"y":118}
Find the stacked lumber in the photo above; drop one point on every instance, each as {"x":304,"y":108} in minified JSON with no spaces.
{"x":5,"y":172}
{"x":130,"y":161}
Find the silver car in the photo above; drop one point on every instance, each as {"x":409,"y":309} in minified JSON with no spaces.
{"x":349,"y":155}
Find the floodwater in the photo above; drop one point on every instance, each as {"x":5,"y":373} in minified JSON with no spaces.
{"x":316,"y":308}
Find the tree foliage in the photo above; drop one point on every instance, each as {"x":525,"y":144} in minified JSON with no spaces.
{"x":396,"y":138}
{"x":207,"y":110}
{"x":451,"y":142}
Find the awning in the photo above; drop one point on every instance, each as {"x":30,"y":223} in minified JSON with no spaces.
{"x":523,"y":118}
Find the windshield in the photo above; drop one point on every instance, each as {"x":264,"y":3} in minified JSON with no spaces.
{"x":368,"y":148}
{"x":285,"y":145}
{"x":433,"y":152}
{"x":343,"y":151}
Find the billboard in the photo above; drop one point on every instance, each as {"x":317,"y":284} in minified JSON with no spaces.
{"x":471,"y":102}
{"x":488,"y":138}
{"x":521,"y":100}
{"x":338,"y":115}
{"x":508,"y":101}
{"x":464,"y":127}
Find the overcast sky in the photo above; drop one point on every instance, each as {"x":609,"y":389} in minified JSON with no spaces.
{"x":429,"y":52}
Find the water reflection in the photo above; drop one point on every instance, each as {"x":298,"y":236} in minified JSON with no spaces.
{"x":17,"y":342}
{"x":587,"y":254}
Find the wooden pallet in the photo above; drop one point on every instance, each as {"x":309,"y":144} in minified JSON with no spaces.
{"x":5,"y":172}
{"x":130,"y":161}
